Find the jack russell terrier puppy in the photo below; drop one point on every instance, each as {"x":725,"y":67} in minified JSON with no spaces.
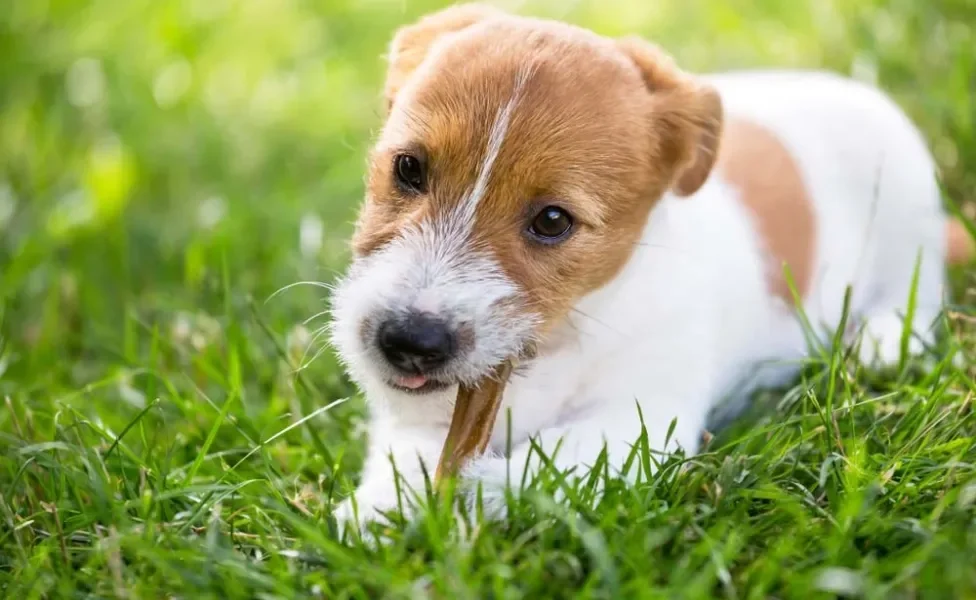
{"x":637,"y":234}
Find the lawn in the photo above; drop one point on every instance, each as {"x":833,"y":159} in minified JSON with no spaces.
{"x":170,"y":427}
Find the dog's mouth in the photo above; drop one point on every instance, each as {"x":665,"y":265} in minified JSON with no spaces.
{"x":424,"y":383}
{"x":418,"y":384}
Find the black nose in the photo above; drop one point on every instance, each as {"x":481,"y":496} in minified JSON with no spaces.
{"x":416,"y":343}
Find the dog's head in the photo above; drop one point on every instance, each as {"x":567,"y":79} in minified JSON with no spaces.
{"x":514,"y":174}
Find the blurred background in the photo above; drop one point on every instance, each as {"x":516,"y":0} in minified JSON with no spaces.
{"x":167,"y":165}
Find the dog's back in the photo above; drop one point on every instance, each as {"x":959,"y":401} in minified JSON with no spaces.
{"x":871,"y":186}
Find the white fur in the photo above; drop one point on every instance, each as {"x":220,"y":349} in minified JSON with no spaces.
{"x":689,"y":320}
{"x":432,"y":268}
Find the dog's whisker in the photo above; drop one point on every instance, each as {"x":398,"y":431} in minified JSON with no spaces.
{"x":319,"y":353}
{"x":285,"y":288}
{"x":322,"y":313}
{"x":595,"y":320}
{"x":316,"y":336}
{"x":682,"y":251}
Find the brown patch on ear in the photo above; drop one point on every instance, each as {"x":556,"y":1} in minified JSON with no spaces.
{"x":771,"y":186}
{"x":705,"y":144}
{"x":411,"y":43}
{"x":688,"y":115}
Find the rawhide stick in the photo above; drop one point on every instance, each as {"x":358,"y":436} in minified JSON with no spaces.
{"x":475,"y":412}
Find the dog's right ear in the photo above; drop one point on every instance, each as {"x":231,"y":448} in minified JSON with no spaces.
{"x":688,"y":115}
{"x":411,"y":43}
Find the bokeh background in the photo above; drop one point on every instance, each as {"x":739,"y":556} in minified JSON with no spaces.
{"x":166,"y":166}
{"x":160,"y":159}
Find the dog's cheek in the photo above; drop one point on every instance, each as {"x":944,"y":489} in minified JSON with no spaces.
{"x":353,"y":301}
{"x":344,"y":325}
{"x":552,"y":284}
{"x":376,"y":227}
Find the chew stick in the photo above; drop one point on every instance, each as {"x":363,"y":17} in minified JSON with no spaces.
{"x":475,"y":411}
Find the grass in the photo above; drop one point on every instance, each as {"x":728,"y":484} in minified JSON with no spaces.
{"x":171,"y":428}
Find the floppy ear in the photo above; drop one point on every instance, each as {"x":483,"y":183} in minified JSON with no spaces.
{"x":411,"y":43}
{"x":687,"y":113}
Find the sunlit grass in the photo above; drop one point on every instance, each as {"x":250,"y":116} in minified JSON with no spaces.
{"x":166,"y":167}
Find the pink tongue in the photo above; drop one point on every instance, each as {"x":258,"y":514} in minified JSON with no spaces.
{"x":412,"y":382}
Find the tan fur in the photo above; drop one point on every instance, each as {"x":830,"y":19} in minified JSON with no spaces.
{"x":771,"y":186}
{"x":601,"y":128}
{"x":411,"y":44}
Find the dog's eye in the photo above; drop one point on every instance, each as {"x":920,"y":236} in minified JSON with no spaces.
{"x":551,"y":224}
{"x":410,"y":173}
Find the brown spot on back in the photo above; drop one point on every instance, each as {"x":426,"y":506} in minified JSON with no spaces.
{"x":771,"y":186}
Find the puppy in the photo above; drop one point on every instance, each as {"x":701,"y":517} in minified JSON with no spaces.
{"x":639,"y":236}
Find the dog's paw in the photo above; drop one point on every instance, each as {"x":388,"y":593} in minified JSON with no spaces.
{"x":881,"y":342}
{"x":485,"y":484}
{"x":368,"y":505}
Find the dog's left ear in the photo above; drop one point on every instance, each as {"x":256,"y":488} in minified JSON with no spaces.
{"x":411,"y":43}
{"x":687,"y":113}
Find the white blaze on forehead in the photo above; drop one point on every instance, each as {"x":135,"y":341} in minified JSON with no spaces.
{"x":499,"y":129}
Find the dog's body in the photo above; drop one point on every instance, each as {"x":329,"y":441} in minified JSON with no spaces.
{"x":691,"y":304}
